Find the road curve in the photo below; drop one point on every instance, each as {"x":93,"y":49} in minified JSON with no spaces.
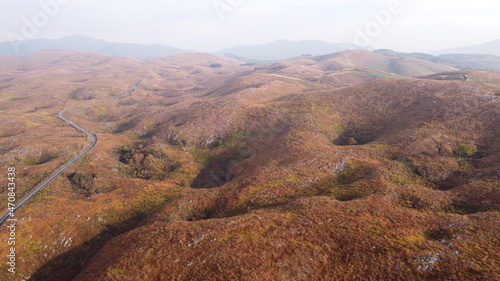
{"x":93,"y":143}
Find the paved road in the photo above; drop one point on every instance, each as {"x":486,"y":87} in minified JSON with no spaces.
{"x":93,"y":142}
{"x":287,"y":77}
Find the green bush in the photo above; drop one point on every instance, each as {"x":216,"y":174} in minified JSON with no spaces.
{"x":466,"y":150}
{"x":82,"y":180}
{"x":147,"y":164}
{"x":19,"y":98}
{"x":44,"y":157}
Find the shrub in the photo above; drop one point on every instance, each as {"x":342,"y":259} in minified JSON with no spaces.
{"x":439,"y":234}
{"x":356,"y":172}
{"x":466,"y":150}
{"x":82,"y":180}
{"x":81,"y":94}
{"x":462,"y":208}
{"x":19,"y":98}
{"x":44,"y":157}
{"x":147,"y":164}
{"x":353,"y":191}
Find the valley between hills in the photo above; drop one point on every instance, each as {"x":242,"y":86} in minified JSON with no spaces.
{"x":355,"y":165}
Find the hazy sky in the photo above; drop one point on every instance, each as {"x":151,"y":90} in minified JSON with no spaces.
{"x":409,"y":25}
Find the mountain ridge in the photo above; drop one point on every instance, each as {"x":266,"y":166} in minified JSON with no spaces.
{"x":461,"y":61}
{"x":286,"y":49}
{"x":487,"y":48}
{"x":84,"y":43}
{"x":483,"y":56}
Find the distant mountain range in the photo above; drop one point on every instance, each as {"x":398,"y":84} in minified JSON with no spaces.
{"x":484,"y":56}
{"x":488,"y":48}
{"x":87,"y":44}
{"x":284,"y":49}
{"x":274,"y":51}
{"x":460,"y":61}
{"x":467,"y":62}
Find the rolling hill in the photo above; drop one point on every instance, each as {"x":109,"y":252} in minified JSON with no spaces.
{"x":331,"y":180}
{"x":461,"y":61}
{"x":488,"y":48}
{"x":474,"y":61}
{"x":284,"y":49}
{"x":400,"y":63}
{"x":336,"y":167}
{"x":345,"y":66}
{"x":87,"y":44}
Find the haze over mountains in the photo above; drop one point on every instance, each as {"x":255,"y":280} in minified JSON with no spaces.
{"x":460,"y":61}
{"x":274,"y":51}
{"x":84,"y":43}
{"x":490,"y":48}
{"x":284,"y":49}
{"x":484,"y":56}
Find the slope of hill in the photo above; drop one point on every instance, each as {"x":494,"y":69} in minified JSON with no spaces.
{"x":423,"y":56}
{"x":461,"y":61}
{"x":83,"y":43}
{"x":360,"y":62}
{"x":317,"y":184}
{"x":311,"y":168}
{"x":488,"y":48}
{"x":474,"y":61}
{"x":284,"y":49}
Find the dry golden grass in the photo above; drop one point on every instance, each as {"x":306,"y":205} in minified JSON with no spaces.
{"x":321,"y":170}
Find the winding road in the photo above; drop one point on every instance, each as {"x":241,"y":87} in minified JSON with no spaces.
{"x":93,"y":143}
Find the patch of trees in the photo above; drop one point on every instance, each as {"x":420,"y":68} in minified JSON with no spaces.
{"x":82,"y":180}
{"x":44,"y":157}
{"x":87,"y":183}
{"x":81,"y":94}
{"x":147,"y":164}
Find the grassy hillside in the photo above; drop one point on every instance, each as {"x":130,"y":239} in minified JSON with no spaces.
{"x":316,"y":168}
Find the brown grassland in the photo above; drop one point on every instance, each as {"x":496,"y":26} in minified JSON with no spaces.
{"x":338,"y":167}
